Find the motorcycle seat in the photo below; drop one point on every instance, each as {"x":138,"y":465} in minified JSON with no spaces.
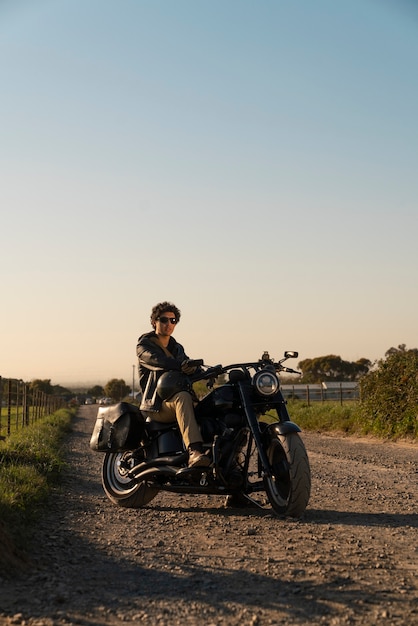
{"x":154,"y":425}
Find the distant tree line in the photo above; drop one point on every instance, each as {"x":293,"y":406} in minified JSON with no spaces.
{"x":332,"y":368}
{"x":116,"y":389}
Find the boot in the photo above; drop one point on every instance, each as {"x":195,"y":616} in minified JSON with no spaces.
{"x":196,"y":456}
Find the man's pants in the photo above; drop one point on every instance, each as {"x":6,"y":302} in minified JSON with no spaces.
{"x":180,"y":407}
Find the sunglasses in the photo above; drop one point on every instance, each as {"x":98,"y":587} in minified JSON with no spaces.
{"x":165,"y":320}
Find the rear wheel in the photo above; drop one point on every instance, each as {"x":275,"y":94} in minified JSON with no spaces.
{"x":119,"y":487}
{"x":289,"y":486}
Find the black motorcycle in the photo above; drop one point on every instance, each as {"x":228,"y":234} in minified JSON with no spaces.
{"x":255,"y":449}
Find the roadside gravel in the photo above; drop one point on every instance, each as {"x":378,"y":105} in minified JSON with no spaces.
{"x":352,"y":559}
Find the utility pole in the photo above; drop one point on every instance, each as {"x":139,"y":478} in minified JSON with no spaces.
{"x":133,"y":382}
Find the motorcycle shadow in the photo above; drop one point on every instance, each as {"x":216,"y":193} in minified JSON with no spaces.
{"x":310,"y":516}
{"x":220,"y":509}
{"x":352,"y":518}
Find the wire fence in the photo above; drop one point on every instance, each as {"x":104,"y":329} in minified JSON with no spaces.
{"x":21,"y":406}
{"x":322,"y":392}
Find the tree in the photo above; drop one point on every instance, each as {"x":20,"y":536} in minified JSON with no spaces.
{"x":116,"y":389}
{"x":401,"y":348}
{"x":332,"y":368}
{"x":42,"y":385}
{"x":59,"y":390}
{"x":96,"y":392}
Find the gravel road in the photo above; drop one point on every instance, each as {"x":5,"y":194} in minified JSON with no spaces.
{"x":188,"y":560}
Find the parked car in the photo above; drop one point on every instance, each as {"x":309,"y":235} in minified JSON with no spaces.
{"x":105,"y":401}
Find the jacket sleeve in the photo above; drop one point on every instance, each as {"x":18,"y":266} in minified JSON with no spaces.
{"x":151,"y":357}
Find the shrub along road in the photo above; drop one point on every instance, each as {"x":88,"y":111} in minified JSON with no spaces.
{"x":352,"y":559}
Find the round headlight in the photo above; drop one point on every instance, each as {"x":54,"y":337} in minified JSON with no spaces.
{"x":266,"y":383}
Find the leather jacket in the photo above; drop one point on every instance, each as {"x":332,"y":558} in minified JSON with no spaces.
{"x":152,"y":362}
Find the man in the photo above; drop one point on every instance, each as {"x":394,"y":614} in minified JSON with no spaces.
{"x":159,"y":352}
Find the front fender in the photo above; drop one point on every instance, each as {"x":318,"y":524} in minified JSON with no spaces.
{"x":283,"y":428}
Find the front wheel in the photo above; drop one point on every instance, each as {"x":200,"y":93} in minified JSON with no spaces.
{"x":119,"y":487}
{"x":289,"y":486}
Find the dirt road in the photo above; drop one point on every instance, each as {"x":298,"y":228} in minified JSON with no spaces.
{"x":352,"y":559}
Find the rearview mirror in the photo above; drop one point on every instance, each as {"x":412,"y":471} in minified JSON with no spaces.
{"x":291,"y":354}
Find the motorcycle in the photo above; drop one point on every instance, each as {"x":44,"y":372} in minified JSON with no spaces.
{"x":254,"y":447}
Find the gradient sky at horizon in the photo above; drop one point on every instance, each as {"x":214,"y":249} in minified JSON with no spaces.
{"x":253,"y":162}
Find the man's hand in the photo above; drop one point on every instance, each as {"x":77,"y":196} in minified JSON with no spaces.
{"x":186,"y":368}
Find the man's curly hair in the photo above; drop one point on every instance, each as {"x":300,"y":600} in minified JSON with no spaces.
{"x":164,"y":307}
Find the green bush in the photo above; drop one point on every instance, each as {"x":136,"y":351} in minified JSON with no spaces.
{"x":389,"y":395}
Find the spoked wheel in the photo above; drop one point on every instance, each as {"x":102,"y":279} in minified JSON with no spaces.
{"x":119,"y":487}
{"x":289,"y":487}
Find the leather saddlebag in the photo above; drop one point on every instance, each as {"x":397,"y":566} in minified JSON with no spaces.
{"x":118,"y":427}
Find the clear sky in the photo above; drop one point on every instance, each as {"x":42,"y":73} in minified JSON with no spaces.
{"x":254,"y":162}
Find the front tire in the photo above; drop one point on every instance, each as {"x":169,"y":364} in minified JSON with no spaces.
{"x":119,"y":488}
{"x":289,"y":487}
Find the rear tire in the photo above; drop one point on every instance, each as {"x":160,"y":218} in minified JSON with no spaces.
{"x":289,"y":487}
{"x":119,"y":488}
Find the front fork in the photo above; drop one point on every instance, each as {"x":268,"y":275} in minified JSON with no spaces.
{"x":254,"y":428}
{"x":278,"y":428}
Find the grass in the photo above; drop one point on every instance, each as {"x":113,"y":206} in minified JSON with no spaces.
{"x":31,"y":460}
{"x":326,"y":416}
{"x":349,"y":419}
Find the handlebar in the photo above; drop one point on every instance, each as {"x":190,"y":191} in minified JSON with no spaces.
{"x":289,"y":370}
{"x":211,"y":372}
{"x":217,"y":370}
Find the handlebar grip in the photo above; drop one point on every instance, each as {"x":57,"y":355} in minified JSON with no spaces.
{"x":213,"y":372}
